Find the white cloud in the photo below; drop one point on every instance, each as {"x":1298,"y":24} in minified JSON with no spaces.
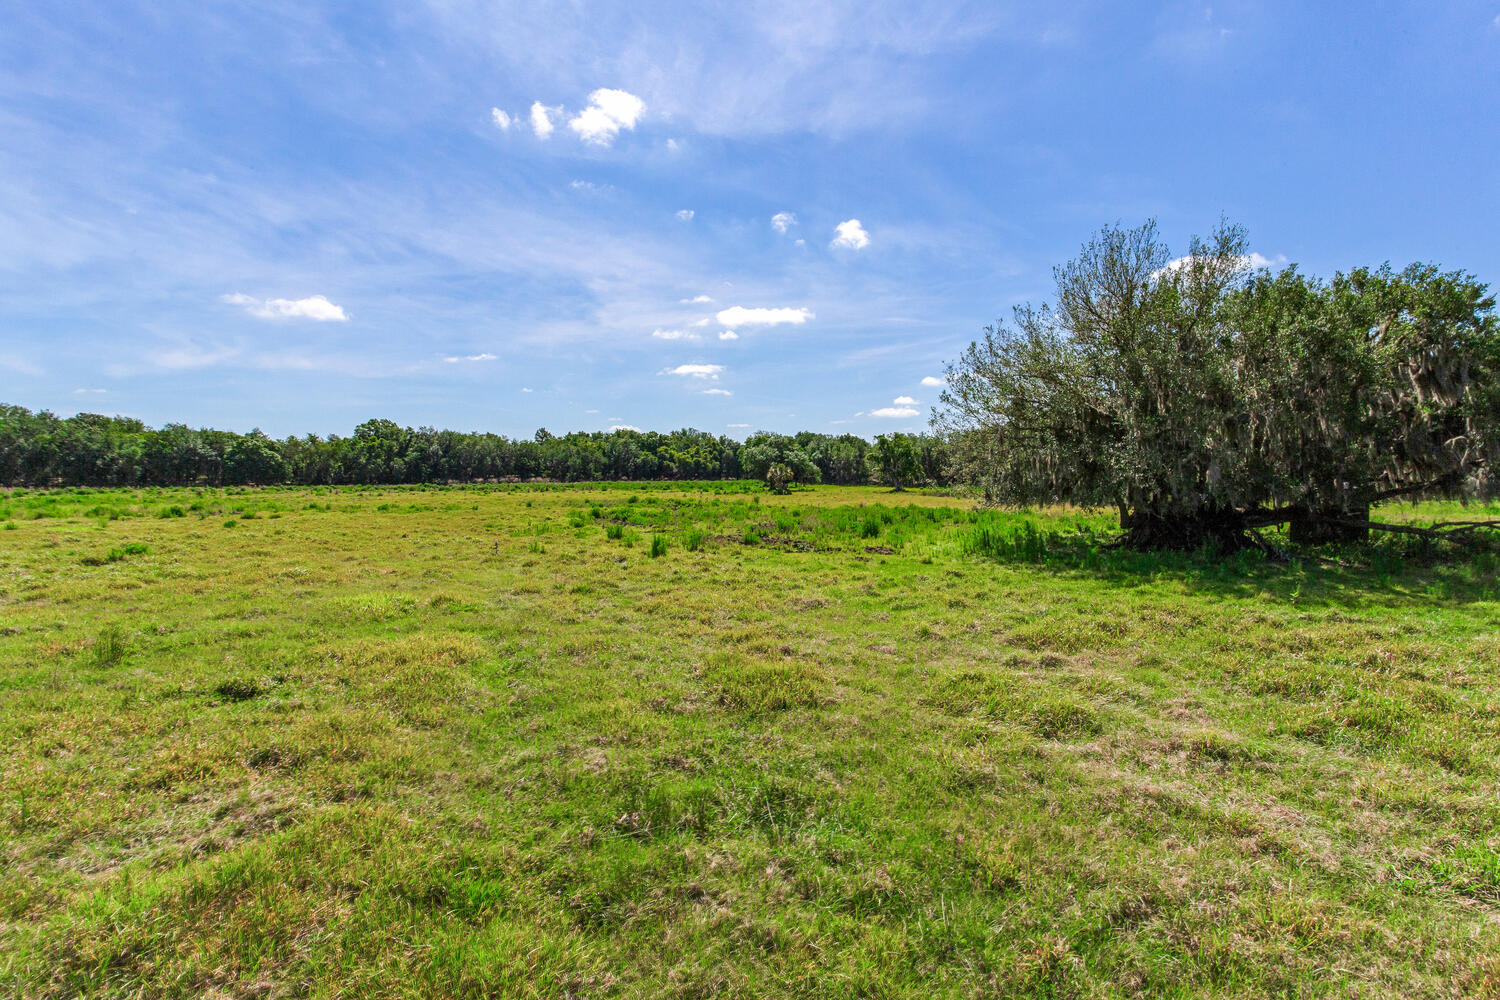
{"x":470,"y":357}
{"x":728,"y":335}
{"x":782,"y":221}
{"x":894,"y":411}
{"x":740,"y":316}
{"x":933,"y":382}
{"x":695,"y":300}
{"x":1254,"y":261}
{"x":660,"y":334}
{"x":695,"y":371}
{"x":717,"y":392}
{"x":850,"y":234}
{"x":524,"y":389}
{"x":701,"y":322}
{"x":315,"y":307}
{"x":608,"y":112}
{"x":89,"y":392}
{"x":672,"y":145}
{"x":904,"y":401}
{"x":737,"y":425}
{"x":541,"y":120}
{"x":501,"y":119}
{"x":685,"y":215}
{"x":623,"y":427}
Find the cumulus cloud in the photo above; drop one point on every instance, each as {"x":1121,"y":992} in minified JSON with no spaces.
{"x":696,"y":299}
{"x":660,"y":334}
{"x":685,"y":215}
{"x":524,"y":389}
{"x":623,"y":427}
{"x":850,"y":234}
{"x":541,"y":119}
{"x":728,"y":335}
{"x":608,"y":112}
{"x":894,"y":411}
{"x":315,"y":307}
{"x":471,"y":357}
{"x":740,"y":316}
{"x":904,"y":401}
{"x":501,"y":119}
{"x":717,"y":392}
{"x":782,"y":221}
{"x":695,"y":371}
{"x":932,"y":382}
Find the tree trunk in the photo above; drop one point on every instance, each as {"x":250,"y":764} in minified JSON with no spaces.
{"x":1321,"y":526}
{"x":1224,"y":529}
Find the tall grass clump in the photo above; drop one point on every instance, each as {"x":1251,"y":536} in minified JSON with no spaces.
{"x":694,"y":540}
{"x":1023,"y":543}
{"x":658,"y":545}
{"x":109,"y":646}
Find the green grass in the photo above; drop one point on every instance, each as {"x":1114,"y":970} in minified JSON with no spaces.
{"x":460,"y":742}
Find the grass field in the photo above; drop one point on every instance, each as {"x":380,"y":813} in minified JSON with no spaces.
{"x":703,"y":741}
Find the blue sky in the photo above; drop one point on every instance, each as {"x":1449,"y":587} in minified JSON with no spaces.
{"x":774,"y":215}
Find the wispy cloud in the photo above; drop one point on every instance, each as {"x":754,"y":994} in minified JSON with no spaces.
{"x":501,"y":119}
{"x":314,"y":307}
{"x":717,"y":392}
{"x":685,"y":215}
{"x":736,"y":316}
{"x":661,"y":334}
{"x":469,"y":357}
{"x":728,"y":335}
{"x":782,"y":221}
{"x":695,"y":371}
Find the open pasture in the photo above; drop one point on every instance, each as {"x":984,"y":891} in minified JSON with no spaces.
{"x":699,"y":740}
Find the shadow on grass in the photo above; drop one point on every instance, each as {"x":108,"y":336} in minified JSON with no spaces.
{"x":1388,"y":571}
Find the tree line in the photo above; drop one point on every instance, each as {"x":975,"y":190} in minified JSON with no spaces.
{"x":90,"y":449}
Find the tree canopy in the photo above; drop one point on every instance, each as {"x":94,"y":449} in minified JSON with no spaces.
{"x":1204,"y":397}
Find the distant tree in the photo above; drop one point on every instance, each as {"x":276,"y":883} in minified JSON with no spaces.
{"x":896,"y":460}
{"x":1204,"y":400}
{"x":763,"y":450}
{"x":254,"y":460}
{"x":779,"y":477}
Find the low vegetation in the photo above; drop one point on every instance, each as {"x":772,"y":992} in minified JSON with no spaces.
{"x":682,"y":740}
